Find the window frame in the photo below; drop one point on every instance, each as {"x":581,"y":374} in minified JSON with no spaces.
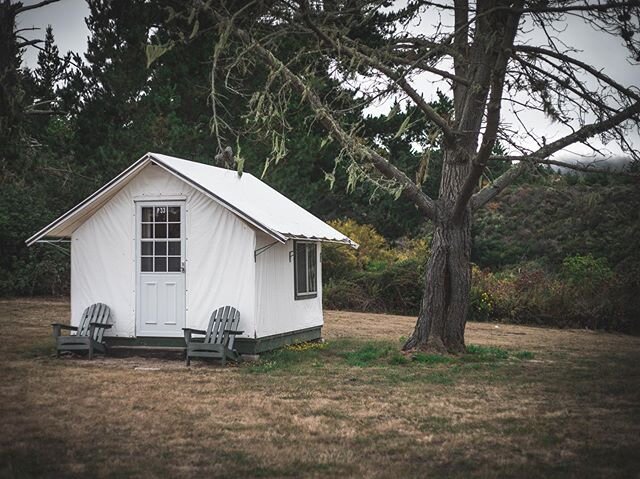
{"x":170,"y":258}
{"x":309,"y":294}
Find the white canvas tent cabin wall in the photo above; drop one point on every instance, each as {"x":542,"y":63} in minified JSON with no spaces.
{"x":169,"y":240}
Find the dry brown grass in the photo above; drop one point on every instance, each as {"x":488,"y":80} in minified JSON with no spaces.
{"x":573,"y":410}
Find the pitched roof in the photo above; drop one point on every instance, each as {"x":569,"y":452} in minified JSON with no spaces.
{"x":246,"y":196}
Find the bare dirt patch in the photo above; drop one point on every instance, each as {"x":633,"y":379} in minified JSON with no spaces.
{"x":569,"y":407}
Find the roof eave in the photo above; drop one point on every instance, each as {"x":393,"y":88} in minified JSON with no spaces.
{"x":274,"y":234}
{"x":124,"y":176}
{"x":44,"y":232}
{"x":345,"y":241}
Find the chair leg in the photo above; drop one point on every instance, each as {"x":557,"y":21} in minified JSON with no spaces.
{"x":90,"y":351}
{"x":187,"y":359}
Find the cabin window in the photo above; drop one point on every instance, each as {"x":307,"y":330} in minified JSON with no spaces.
{"x":305,"y":258}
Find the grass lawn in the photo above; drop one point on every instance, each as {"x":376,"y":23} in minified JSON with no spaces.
{"x":525,"y":402}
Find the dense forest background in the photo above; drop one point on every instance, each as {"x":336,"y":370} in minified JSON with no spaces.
{"x":554,"y":249}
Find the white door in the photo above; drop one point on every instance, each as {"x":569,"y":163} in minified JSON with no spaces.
{"x":160,"y":264}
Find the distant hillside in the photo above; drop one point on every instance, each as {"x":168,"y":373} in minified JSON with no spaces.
{"x":556,"y":250}
{"x":558,"y":217}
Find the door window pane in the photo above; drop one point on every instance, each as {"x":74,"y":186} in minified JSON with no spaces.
{"x":161,"y":230}
{"x":161,"y":214}
{"x":161,"y":264}
{"x":161,"y":248}
{"x":147,"y":231}
{"x":146,"y":264}
{"x":174,"y":213}
{"x":174,"y":247}
{"x":174,"y":264}
{"x":174,"y":230}
{"x":146,"y":248}
{"x":147,"y":215}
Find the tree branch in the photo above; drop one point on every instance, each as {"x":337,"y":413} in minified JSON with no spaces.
{"x":541,"y":155}
{"x":588,"y":68}
{"x":34,"y":6}
{"x":398,"y":78}
{"x":599,"y":7}
{"x":27,"y":43}
{"x":584,"y":94}
{"x":412,"y":61}
{"x":425,"y":204}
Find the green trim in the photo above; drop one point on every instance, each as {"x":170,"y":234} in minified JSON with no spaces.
{"x":242,"y":345}
{"x":146,"y":341}
{"x":276,"y":341}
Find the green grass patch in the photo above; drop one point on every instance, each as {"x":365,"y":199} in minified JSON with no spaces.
{"x":524,"y":355}
{"x":431,"y":368}
{"x":398,"y":359}
{"x":424,"y":358}
{"x":484,"y":354}
{"x":288,"y":359}
{"x":369,"y":354}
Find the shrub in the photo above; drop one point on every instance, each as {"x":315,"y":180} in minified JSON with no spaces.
{"x":585,"y":293}
{"x":373,"y":249}
{"x":396,"y":289}
{"x":589,"y":287}
{"x":586,"y":272}
{"x":359,"y":293}
{"x":481,"y":305}
{"x":374,"y":278}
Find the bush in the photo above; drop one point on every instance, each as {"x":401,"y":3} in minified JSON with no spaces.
{"x":481,"y":305}
{"x":397,"y":289}
{"x":340,"y":261}
{"x":586,"y":272}
{"x":586,"y":293}
{"x":374,"y":278}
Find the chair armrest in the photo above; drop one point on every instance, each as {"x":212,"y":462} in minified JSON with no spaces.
{"x":196,"y":331}
{"x":189,"y":331}
{"x":64,"y":326}
{"x":100,"y":325}
{"x":233,"y":331}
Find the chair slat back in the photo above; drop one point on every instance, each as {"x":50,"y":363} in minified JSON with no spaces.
{"x":226,"y":317}
{"x":233,"y":325}
{"x":96,"y":313}
{"x":103,"y":314}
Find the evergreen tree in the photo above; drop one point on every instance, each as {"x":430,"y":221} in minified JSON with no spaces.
{"x":50,"y":69}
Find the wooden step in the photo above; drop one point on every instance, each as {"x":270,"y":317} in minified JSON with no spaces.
{"x":147,"y":351}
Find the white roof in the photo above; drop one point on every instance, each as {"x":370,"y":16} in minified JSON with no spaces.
{"x":248,"y":197}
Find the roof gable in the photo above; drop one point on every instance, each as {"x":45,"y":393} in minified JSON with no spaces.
{"x":246,"y":196}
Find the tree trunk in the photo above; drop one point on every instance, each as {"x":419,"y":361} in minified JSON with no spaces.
{"x":445,"y":303}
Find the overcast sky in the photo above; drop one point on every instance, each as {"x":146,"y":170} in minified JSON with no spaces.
{"x":608,"y":53}
{"x":67,"y":19}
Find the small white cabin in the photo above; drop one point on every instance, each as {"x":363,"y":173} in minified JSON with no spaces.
{"x":169,"y":240}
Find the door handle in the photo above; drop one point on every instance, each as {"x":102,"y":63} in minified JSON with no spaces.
{"x":183,"y":268}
